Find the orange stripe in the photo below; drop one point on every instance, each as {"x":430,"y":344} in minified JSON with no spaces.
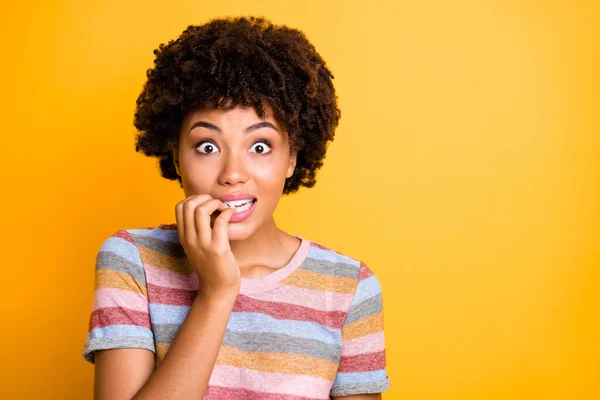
{"x":110,"y":278}
{"x":161,"y":350}
{"x":363,"y":327}
{"x":163,"y":261}
{"x":285,"y":363}
{"x":313,"y":280}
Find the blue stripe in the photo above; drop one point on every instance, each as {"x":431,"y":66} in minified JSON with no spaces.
{"x":366,"y":288}
{"x":122,"y":248}
{"x":353,"y":378}
{"x":252,"y":322}
{"x":171,"y":235}
{"x":330,"y":255}
{"x":257,"y":322}
{"x":120,"y":330}
{"x":167,"y":314}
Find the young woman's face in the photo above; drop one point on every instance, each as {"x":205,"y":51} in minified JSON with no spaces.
{"x":235,"y":152}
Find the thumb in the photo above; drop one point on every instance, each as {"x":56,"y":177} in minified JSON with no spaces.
{"x":221,"y":223}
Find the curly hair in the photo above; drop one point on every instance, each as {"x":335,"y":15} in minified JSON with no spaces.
{"x":243,"y":60}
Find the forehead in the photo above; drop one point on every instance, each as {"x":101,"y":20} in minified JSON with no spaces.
{"x":238,"y":113}
{"x":237,"y":119}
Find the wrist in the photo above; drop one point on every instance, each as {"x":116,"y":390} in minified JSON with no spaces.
{"x":218,"y":295}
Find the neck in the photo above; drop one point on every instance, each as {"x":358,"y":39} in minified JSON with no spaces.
{"x":262,"y":247}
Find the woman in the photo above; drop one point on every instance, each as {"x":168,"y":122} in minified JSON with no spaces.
{"x":223,"y":304}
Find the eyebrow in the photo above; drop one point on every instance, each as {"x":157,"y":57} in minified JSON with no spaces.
{"x":249,"y":129}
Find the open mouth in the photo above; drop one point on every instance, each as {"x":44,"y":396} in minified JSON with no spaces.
{"x":241,"y":205}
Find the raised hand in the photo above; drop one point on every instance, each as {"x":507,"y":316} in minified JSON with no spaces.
{"x":207,"y":246}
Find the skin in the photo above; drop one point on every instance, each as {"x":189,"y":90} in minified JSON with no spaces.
{"x":234,"y":163}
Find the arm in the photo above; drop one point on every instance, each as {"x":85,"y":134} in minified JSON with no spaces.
{"x":362,"y":369}
{"x":120,"y":329}
{"x":183,"y":373}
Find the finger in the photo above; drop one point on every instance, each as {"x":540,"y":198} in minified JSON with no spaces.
{"x":202,"y":219}
{"x":221,"y":223}
{"x":215,"y":214}
{"x":179,"y":220}
{"x":189,"y":207}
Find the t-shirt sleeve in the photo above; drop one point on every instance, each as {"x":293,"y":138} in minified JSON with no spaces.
{"x":120,"y":316}
{"x":362,"y":367}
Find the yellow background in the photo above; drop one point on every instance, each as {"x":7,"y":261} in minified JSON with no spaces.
{"x":464,"y":172}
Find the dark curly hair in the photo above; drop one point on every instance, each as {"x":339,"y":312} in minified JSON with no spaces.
{"x":239,"y":60}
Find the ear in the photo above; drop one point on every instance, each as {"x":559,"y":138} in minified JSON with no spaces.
{"x":176,"y":161}
{"x":292,"y":164}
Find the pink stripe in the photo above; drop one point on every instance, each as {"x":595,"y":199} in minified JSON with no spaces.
{"x":316,"y":299}
{"x":112,"y":297}
{"x":118,"y":316}
{"x":223,"y":393}
{"x":290,"y":294}
{"x":270,"y":382}
{"x":333,"y":319}
{"x":162,"y":277}
{"x":364,"y":344}
{"x":363,"y":362}
{"x":123,"y":234}
{"x":364,"y":272}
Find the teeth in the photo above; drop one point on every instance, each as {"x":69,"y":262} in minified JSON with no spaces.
{"x":244,"y":208}
{"x":236,"y":203}
{"x":240,"y":205}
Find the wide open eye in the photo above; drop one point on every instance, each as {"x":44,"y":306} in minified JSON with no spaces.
{"x":207,"y":147}
{"x":262,"y":146}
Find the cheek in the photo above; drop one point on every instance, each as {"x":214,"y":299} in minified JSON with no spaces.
{"x":270,"y":176}
{"x":199,"y":177}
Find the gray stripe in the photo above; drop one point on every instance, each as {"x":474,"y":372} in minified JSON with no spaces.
{"x":274,"y":342}
{"x":111,"y":260}
{"x":365,"y":308}
{"x":171,"y":249}
{"x":165,"y":333}
{"x":175,"y":250}
{"x":330,"y":268}
{"x":261,"y":341}
{"x":361,"y":388}
{"x":169,"y":235}
{"x":121,"y":342}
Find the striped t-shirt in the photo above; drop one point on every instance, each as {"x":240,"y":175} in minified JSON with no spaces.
{"x":310,"y":330}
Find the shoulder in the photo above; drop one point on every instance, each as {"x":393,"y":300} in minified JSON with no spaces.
{"x":131,"y":242}
{"x":166,"y":232}
{"x":347,"y":265}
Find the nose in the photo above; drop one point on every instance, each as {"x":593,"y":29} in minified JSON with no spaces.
{"x":233,"y":171}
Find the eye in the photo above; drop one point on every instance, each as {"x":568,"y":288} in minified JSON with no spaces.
{"x":263,"y":146}
{"x":208,"y":145}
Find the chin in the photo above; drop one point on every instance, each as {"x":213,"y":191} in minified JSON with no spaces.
{"x":239,"y":231}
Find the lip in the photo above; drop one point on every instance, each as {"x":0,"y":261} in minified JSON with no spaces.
{"x":238,"y":217}
{"x":236,"y":196}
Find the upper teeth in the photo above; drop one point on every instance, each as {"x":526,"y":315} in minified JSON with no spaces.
{"x":237,"y":203}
